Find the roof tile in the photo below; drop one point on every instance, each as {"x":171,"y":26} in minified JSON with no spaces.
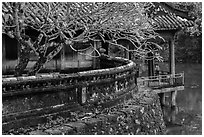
{"x":165,"y":19}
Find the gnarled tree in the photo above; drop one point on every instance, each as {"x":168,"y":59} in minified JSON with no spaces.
{"x":60,"y":23}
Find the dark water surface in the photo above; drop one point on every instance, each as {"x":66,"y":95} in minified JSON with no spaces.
{"x":191,"y":98}
{"x":189,"y":117}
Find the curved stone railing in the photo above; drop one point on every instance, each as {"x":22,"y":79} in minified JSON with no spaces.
{"x":28,"y":100}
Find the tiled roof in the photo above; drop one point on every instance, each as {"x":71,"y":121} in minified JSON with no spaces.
{"x":170,"y":22}
{"x":36,"y":13}
{"x":164,"y":17}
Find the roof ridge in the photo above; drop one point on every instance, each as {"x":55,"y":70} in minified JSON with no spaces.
{"x":174,"y":6}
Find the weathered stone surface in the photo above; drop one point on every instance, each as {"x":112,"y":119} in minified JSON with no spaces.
{"x":79,"y":127}
{"x":32,"y":97}
{"x":53,"y":131}
{"x":66,"y":130}
{"x":141,"y":115}
{"x":112,"y":118}
{"x":37,"y":132}
{"x":93,"y":125}
{"x":92,"y":122}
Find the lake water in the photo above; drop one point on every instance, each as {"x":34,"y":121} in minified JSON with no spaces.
{"x":189,"y":117}
{"x":191,"y":98}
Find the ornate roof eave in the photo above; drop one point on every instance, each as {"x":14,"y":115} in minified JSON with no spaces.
{"x":164,"y":17}
{"x":170,"y":7}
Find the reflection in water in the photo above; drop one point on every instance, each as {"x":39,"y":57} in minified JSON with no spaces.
{"x":188,"y":120}
{"x":191,"y":98}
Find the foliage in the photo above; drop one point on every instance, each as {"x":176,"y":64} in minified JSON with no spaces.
{"x":190,"y":47}
{"x":194,"y":10}
{"x":190,"y":40}
{"x":61,"y":24}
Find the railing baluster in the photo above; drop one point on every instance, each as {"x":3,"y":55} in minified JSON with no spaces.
{"x":163,"y":80}
{"x":182,"y":78}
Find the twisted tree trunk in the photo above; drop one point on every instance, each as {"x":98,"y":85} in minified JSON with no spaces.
{"x":24,"y":56}
{"x":24,"y":52}
{"x":44,"y":59}
{"x":37,"y":66}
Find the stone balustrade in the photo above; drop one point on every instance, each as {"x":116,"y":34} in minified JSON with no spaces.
{"x":28,"y":100}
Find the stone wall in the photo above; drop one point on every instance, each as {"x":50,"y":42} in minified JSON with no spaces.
{"x":104,"y":101}
{"x":30,"y":100}
{"x":140,"y":115}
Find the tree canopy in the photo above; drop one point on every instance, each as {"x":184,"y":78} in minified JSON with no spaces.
{"x":194,"y":10}
{"x":64,"y":23}
{"x":189,"y":42}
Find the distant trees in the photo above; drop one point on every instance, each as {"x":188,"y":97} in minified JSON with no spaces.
{"x":189,"y":42}
{"x":189,"y":47}
{"x":195,"y":10}
{"x":64,"y":23}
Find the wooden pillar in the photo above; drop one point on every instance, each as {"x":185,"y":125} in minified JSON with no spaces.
{"x":162,"y":98}
{"x":172,"y":69}
{"x":172,"y":56}
{"x":150,"y":65}
{"x":105,"y":45}
{"x":97,"y":45}
{"x":3,"y":48}
{"x":62,"y":61}
{"x":130,"y":55}
{"x":94,"y":54}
